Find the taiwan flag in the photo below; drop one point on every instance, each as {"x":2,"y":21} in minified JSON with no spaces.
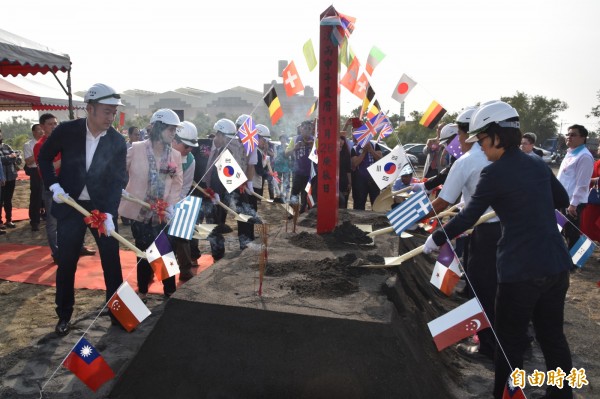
{"x":88,"y":365}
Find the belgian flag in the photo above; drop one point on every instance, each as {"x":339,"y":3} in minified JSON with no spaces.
{"x":433,"y":115}
{"x":367,"y":100}
{"x":313,"y":108}
{"x":274,"y":106}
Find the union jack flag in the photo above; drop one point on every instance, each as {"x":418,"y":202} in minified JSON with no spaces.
{"x":386,"y":129}
{"x":371,"y":128}
{"x":249,"y":135}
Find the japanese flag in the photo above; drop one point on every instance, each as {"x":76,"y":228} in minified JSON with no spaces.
{"x":404,"y":86}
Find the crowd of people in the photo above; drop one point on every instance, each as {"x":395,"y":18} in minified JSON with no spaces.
{"x":517,"y":262}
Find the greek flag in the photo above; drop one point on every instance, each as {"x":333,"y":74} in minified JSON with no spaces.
{"x":409,"y":212}
{"x":582,"y":250}
{"x":186,"y":214}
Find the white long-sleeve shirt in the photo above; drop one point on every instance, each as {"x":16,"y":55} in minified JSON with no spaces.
{"x":575,"y":173}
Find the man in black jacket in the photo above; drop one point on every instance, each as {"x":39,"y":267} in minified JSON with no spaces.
{"x":93,"y":173}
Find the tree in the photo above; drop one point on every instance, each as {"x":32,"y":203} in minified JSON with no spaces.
{"x":595,"y":112}
{"x":17,"y":132}
{"x":537,"y":114}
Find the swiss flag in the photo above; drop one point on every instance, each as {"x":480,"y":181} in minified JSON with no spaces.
{"x":291,"y":80}
{"x":350,"y":78}
{"x":404,"y":86}
{"x":362,"y":84}
{"x":458,"y":324}
{"x":127,"y":307}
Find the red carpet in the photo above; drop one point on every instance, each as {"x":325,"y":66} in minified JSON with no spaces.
{"x":33,"y":264}
{"x":17,"y":214}
{"x":21,"y":175}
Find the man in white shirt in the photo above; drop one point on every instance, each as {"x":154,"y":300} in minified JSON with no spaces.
{"x":35,"y":181}
{"x":574,"y":174}
{"x":480,"y":255}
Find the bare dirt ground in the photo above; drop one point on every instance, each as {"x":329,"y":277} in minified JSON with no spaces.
{"x":27,"y":322}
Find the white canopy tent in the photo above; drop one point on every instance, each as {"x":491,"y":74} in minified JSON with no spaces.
{"x":21,"y":56}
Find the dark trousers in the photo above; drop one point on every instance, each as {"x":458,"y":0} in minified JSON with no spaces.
{"x":364,"y":187}
{"x":298,"y":185}
{"x":35,"y":196}
{"x":144,"y":235}
{"x":70,"y":235}
{"x":6,"y":197}
{"x":246,"y":204}
{"x":216,"y":215}
{"x":183,"y":253}
{"x":483,"y":276}
{"x":541,"y":301}
{"x":571,"y":231}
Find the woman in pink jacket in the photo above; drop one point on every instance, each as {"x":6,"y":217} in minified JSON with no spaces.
{"x":155,"y":175}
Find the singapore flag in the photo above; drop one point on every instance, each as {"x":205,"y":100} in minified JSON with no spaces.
{"x":127,"y":307}
{"x":458,"y":324}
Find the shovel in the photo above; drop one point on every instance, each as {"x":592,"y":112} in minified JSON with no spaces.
{"x":69,"y":201}
{"x":385,"y":199}
{"x":397,"y":260}
{"x":238,"y":216}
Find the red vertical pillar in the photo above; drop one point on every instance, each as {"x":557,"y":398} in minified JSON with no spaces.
{"x":328,"y":128}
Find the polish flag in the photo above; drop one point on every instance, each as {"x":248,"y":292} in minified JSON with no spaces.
{"x":446,"y":272}
{"x":291,"y":80}
{"x":127,"y":307}
{"x":459,"y":323}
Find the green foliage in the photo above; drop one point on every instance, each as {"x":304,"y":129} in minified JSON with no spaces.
{"x":204,"y":124}
{"x":17,"y":132}
{"x":537,"y":114}
{"x":595,"y":112}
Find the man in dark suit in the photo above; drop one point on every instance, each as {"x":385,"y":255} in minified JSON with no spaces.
{"x":532,"y":259}
{"x":93,"y":173}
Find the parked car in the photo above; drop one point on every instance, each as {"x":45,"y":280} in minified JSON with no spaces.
{"x":547,"y":155}
{"x":386,"y":150}
{"x":417,"y":151}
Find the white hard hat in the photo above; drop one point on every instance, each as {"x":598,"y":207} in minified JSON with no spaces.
{"x":465,"y":115}
{"x":225,"y":126}
{"x":166,"y":116}
{"x":496,"y":112}
{"x":448,"y":132}
{"x":241,"y":119}
{"x":263,"y":131}
{"x":187,"y":134}
{"x":102,"y":94}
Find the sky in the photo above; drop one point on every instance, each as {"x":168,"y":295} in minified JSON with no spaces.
{"x":459,"y":52}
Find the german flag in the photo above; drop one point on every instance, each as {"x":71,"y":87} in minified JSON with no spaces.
{"x":274,"y":106}
{"x":433,"y":115}
{"x":312,"y":108}
{"x":367,"y":100}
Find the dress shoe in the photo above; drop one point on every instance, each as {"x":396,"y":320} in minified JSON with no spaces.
{"x":2,"y":226}
{"x":85,"y":251}
{"x":186,"y":275}
{"x":10,"y":225}
{"x":62,"y":328}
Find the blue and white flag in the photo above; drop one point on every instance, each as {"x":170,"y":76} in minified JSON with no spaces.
{"x":561,"y":220}
{"x":582,"y":250}
{"x":186,"y":214}
{"x":409,"y":212}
